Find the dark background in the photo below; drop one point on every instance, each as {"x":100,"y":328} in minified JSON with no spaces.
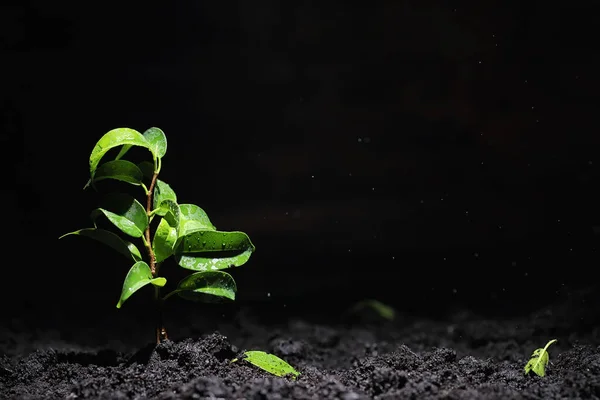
{"x":429,"y":154}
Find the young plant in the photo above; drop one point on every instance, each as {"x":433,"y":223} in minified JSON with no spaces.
{"x":538,"y":361}
{"x":164,"y":227}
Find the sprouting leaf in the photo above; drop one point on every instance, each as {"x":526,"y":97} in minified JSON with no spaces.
{"x":213,"y":250}
{"x":193,"y":218}
{"x":206,"y":286}
{"x":164,"y":240}
{"x":111,"y":239}
{"x":124,"y":212}
{"x":121,"y":170}
{"x":162,"y":192}
{"x":269,"y":363}
{"x":158,"y":141}
{"x":383,"y":310}
{"x":138,"y":276}
{"x":114,"y":138}
{"x":539,"y":360}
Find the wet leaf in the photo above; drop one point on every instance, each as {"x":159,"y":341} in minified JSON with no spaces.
{"x":111,"y":239}
{"x":114,"y":138}
{"x":164,"y":240}
{"x":215,"y":242}
{"x":138,"y":276}
{"x":270,"y":363}
{"x":124,"y":212}
{"x":158,"y":141}
{"x":213,"y":250}
{"x":207,"y":286}
{"x":170,"y":211}
{"x":162,"y":192}
{"x":539,"y":360}
{"x":193,"y":218}
{"x":121,"y":170}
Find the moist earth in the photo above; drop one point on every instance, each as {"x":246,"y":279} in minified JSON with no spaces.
{"x":350,"y":356}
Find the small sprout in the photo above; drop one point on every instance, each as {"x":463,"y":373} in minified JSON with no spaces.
{"x":269,"y":363}
{"x":383,"y":310}
{"x":539,"y":359}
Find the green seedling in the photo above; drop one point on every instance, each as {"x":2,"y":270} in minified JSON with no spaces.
{"x":383,"y":310}
{"x":269,"y":363}
{"x":164,"y":227}
{"x":538,"y":361}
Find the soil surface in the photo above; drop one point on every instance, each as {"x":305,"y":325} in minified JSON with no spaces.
{"x":349,"y":356}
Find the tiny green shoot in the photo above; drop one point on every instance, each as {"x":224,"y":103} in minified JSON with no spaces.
{"x":269,"y":363}
{"x":383,"y":310}
{"x":163,"y":227}
{"x":539,"y":360}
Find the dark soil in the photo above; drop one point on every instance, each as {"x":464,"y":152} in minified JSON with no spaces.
{"x":462,"y":356}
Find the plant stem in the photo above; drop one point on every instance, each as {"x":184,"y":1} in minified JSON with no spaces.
{"x":151,"y":256}
{"x":161,"y":332}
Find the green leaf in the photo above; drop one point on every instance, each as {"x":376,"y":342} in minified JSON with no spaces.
{"x":539,"y":360}
{"x":213,"y":250}
{"x":162,"y":192}
{"x":153,"y":136}
{"x":193,"y":218}
{"x":158,"y":141}
{"x":164,"y":241}
{"x":270,"y":363}
{"x":121,"y":170}
{"x":207,"y":286}
{"x":159,"y":282}
{"x":170,"y":211}
{"x":111,"y":239}
{"x":138,"y":276}
{"x":125,"y":212}
{"x":114,"y":138}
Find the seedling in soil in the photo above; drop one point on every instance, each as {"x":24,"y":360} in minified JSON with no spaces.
{"x":164,"y":227}
{"x":269,"y":363}
{"x":539,"y":360}
{"x":383,"y":310}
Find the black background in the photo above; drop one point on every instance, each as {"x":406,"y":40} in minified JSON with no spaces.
{"x":427,"y":154}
